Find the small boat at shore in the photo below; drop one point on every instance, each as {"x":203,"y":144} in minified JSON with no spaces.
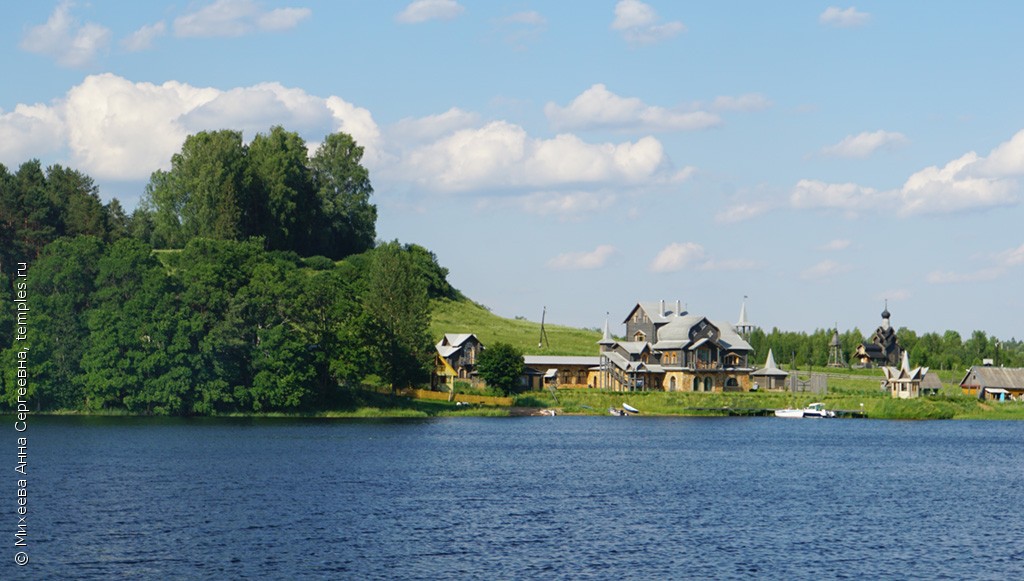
{"x":630,"y":408}
{"x":814,"y":410}
{"x":616,"y":412}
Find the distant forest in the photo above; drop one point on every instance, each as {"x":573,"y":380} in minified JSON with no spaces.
{"x":250,"y":279}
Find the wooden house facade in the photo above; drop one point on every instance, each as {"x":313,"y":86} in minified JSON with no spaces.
{"x":540,"y":371}
{"x":669,"y":349}
{"x":455,"y":359}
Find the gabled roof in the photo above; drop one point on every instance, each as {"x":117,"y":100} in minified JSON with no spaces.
{"x":904,"y":374}
{"x":987,"y":376}
{"x":658,"y":312}
{"x":452,"y":342}
{"x":634,"y":347}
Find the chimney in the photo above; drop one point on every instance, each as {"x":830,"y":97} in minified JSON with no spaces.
{"x":679,"y":309}
{"x":662,"y":312}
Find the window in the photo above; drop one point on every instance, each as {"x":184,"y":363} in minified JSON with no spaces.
{"x":672,"y":383}
{"x":639,"y":337}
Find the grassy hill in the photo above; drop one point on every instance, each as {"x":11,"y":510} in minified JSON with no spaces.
{"x":465,"y":316}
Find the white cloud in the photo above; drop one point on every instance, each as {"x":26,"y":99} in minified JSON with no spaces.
{"x":566,"y":206}
{"x":424,"y":10}
{"x":30,"y":131}
{"x":741,"y":212}
{"x":1013,"y":257}
{"x":599,"y":108}
{"x":811,"y":194}
{"x":115,"y":129}
{"x":824,"y":269}
{"x":864,"y":144}
{"x":502,"y":155}
{"x":237,"y":18}
{"x":894,"y":295}
{"x":641,"y":25}
{"x":418,"y":130}
{"x":596,"y":258}
{"x":982,"y":275}
{"x":64,"y":39}
{"x":848,"y":18}
{"x":677,"y":256}
{"x":836,"y":245}
{"x":953,"y":188}
{"x":142,"y":39}
{"x":748,"y":102}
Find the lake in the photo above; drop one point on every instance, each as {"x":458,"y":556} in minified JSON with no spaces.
{"x":519,"y":498}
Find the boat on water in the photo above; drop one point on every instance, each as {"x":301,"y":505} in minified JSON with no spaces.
{"x":814,"y":410}
{"x":630,"y":408}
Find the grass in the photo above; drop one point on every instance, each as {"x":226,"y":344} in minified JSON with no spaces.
{"x":465,"y":316}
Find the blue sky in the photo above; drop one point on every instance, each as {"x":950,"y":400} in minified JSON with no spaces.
{"x":818,"y":158}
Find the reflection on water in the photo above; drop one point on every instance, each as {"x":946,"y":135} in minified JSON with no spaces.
{"x":565,"y":497}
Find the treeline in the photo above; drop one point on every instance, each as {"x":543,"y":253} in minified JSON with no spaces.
{"x":947,"y":351}
{"x":221,"y":326}
{"x":247,"y":280}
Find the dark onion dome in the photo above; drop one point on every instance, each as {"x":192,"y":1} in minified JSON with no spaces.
{"x":885,"y":313}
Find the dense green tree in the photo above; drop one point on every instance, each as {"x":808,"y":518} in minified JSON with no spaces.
{"x":398,"y":311}
{"x":348,"y":219}
{"x":501,"y":366}
{"x":284,"y":205}
{"x":60,"y":287}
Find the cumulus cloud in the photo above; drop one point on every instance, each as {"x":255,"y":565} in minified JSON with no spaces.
{"x":639,"y":23}
{"x":848,"y":18}
{"x":864,"y":144}
{"x":853,"y":198}
{"x":237,"y":18}
{"x":836,"y":245}
{"x":117,"y":129}
{"x":596,"y":258}
{"x":970,"y":182}
{"x":599,"y":108}
{"x":424,"y":10}
{"x":824,"y":269}
{"x":741,"y":212}
{"x":566,"y":206}
{"x":961,"y":184}
{"x":30,"y":131}
{"x":142,"y":39}
{"x":64,"y":39}
{"x":502,"y":155}
{"x":432,"y":127}
{"x":677,"y":256}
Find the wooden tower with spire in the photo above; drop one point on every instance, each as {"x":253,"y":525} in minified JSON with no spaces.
{"x":743,"y":326}
{"x":835,"y":350}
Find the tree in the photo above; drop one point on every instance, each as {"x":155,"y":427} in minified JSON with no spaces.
{"x":348,"y":219}
{"x":398,"y":314}
{"x":501,"y":366}
{"x":283,"y":204}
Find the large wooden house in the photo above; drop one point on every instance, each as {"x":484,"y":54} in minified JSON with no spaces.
{"x":884,"y":348}
{"x":669,"y":349}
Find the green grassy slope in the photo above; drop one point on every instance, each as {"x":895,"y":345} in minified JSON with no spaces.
{"x":468,"y":317}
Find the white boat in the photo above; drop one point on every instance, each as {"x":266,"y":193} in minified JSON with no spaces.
{"x":814,"y":410}
{"x":616,"y":412}
{"x":630,"y":408}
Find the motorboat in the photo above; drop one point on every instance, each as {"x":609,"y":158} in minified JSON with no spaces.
{"x":814,"y":410}
{"x":616,"y":412}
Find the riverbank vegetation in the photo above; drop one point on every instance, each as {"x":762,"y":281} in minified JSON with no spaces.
{"x":249,"y":281}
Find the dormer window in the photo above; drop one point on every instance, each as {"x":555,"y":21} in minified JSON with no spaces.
{"x":639,"y":337}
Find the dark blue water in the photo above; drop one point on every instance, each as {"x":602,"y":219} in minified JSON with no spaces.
{"x":526,"y":498}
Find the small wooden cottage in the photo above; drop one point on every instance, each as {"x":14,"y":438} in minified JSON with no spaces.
{"x":994,"y":383}
{"x":455,"y":359}
{"x":769,"y":377}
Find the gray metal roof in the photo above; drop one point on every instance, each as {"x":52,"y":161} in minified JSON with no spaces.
{"x":559,"y":360}
{"x":986,"y":376}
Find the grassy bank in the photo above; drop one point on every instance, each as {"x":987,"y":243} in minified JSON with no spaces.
{"x":468,"y":317}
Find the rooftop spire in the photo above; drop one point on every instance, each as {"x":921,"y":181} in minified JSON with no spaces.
{"x":606,"y":339}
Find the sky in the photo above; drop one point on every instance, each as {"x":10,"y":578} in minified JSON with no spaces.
{"x":817,"y":160}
